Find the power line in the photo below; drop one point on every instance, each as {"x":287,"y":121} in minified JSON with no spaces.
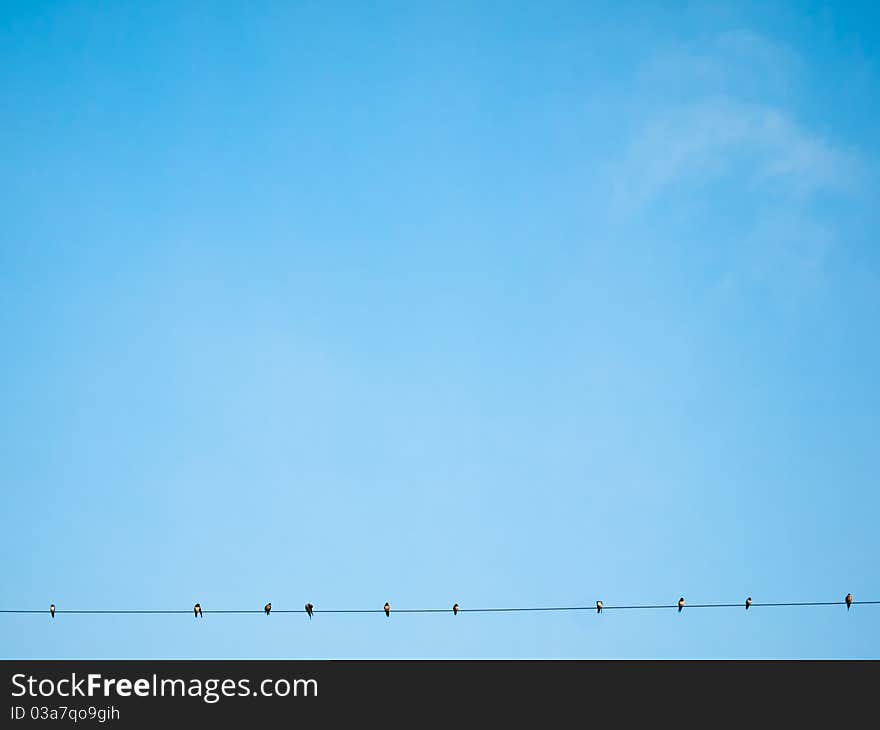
{"x":505,"y":609}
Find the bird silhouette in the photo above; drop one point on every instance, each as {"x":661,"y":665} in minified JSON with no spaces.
{"x":849,"y":600}
{"x":748,"y":602}
{"x":599,"y":606}
{"x":268,"y":608}
{"x":455,"y":609}
{"x":197,"y":610}
{"x":387,"y":608}
{"x":680,"y":604}
{"x":52,"y":610}
{"x":309,"y":609}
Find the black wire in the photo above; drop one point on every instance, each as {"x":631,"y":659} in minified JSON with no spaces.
{"x":511,"y":609}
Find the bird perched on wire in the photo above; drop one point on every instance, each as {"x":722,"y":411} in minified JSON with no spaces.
{"x":309,"y":609}
{"x":599,"y":605}
{"x":268,"y":608}
{"x":748,"y":602}
{"x":849,"y":600}
{"x":387,"y":608}
{"x":455,"y":609}
{"x":52,"y":610}
{"x":680,"y":604}
{"x":197,"y":610}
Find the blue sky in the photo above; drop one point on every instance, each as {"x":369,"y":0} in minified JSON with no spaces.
{"x":495,"y":303}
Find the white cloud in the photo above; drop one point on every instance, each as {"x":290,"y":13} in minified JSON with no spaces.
{"x":707,"y":121}
{"x":697,"y":142}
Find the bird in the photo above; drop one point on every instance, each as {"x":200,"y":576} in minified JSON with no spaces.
{"x":849,"y":600}
{"x":455,"y":609}
{"x":52,"y":610}
{"x":680,"y":604}
{"x":268,"y":608}
{"x":197,"y":610}
{"x":599,"y":606}
{"x":309,"y":609}
{"x":387,"y":608}
{"x":748,"y":602}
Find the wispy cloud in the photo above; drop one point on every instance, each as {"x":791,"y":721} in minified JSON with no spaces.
{"x":708,"y":122}
{"x":697,"y":142}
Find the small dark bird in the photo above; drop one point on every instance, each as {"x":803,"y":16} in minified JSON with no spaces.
{"x":52,"y":610}
{"x":387,"y":608}
{"x":848,"y":600}
{"x":268,"y":608}
{"x":455,"y":609}
{"x":598,"y":606}
{"x":680,"y":604}
{"x":309,"y":609}
{"x":197,"y":610}
{"x":748,"y":602}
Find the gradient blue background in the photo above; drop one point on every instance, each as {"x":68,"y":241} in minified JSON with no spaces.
{"x":496,"y":303}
